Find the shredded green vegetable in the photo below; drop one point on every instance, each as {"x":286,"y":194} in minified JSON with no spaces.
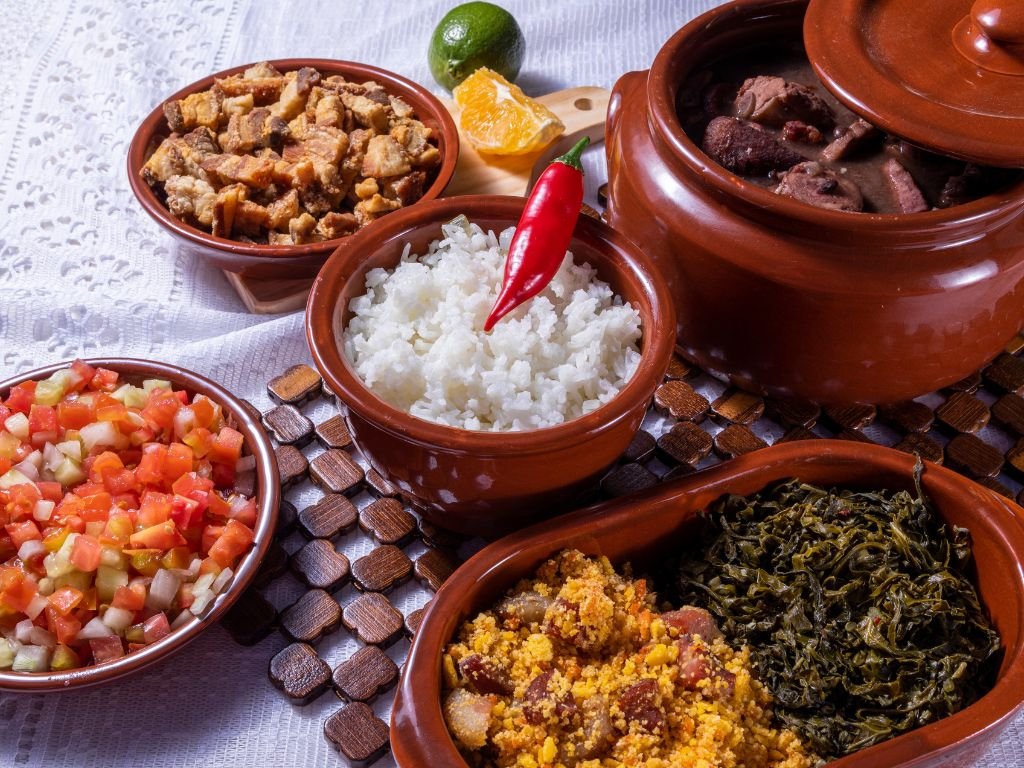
{"x":856,"y":607}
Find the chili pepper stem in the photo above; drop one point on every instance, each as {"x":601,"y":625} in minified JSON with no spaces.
{"x":572,"y":157}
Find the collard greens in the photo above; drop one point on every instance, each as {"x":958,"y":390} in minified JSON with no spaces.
{"x":856,"y":607}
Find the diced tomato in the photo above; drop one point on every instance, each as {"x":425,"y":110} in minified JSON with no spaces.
{"x":120,"y":481}
{"x":104,"y":380}
{"x":200,"y":440}
{"x":66,"y":628}
{"x":178,"y":462}
{"x":24,"y":531}
{"x":22,"y":500}
{"x":4,"y":413}
{"x":50,"y":491}
{"x":186,"y":596}
{"x":161,"y":408}
{"x":119,"y":527}
{"x":205,"y":411}
{"x":22,"y":397}
{"x":5,"y":464}
{"x":188,"y":483}
{"x":150,"y":468}
{"x":75,"y":523}
{"x":55,"y":538}
{"x":163,"y":537}
{"x":108,"y":461}
{"x":210,"y":535}
{"x":131,"y":597}
{"x":244,"y":511}
{"x":232,"y":543}
{"x":112,"y":412}
{"x":96,"y":507}
{"x":185,"y":511}
{"x":84,"y":372}
{"x":42,"y":418}
{"x":75,"y":414}
{"x":227,"y":447}
{"x":85,"y":554}
{"x":224,"y":475}
{"x":65,"y":599}
{"x":156,"y":627}
{"x":106,"y":648}
{"x":16,"y":589}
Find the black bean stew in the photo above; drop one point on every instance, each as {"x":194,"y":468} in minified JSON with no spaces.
{"x":766,"y":117}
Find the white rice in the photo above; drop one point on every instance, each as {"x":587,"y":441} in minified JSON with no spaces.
{"x":416,"y":338}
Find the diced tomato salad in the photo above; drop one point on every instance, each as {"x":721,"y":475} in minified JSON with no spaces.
{"x":118,"y":518}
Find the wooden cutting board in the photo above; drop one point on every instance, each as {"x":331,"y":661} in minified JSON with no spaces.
{"x":582,"y":110}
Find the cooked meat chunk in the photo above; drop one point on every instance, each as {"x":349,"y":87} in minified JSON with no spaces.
{"x":690,"y":620}
{"x":290,"y":158}
{"x":197,"y":109}
{"x":905,"y":191}
{"x":774,"y":101}
{"x":190,"y":199}
{"x":858,"y":135}
{"x":468,"y":716}
{"x":484,"y":676}
{"x":639,"y":705}
{"x":746,"y":148}
{"x":797,"y":130}
{"x":384,"y":157}
{"x":813,"y":184}
{"x":523,"y":609}
{"x":245,"y":169}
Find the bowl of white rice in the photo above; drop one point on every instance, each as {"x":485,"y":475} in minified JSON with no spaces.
{"x":488,"y":431}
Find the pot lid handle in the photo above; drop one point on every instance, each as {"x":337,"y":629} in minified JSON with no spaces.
{"x":992,"y":36}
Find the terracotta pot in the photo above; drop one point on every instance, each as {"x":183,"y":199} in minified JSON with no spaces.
{"x":646,"y":528}
{"x":486,"y":483}
{"x":268,"y":496}
{"x":283,"y":261}
{"x":791,"y":300}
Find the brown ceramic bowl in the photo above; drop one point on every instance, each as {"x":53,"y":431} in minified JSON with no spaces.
{"x":268,"y":496}
{"x":282,"y":261}
{"x":648,"y":527}
{"x":486,"y":483}
{"x":791,"y":300}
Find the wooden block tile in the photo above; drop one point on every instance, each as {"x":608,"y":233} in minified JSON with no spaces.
{"x":1006,"y":374}
{"x":320,"y":566}
{"x":291,"y":464}
{"x":640,"y":448}
{"x":681,"y":470}
{"x":333,"y":433}
{"x":360,"y":736}
{"x":413,"y":621}
{"x":602,"y":195}
{"x":250,"y":619}
{"x":970,"y":455}
{"x":299,"y":673}
{"x":680,"y":369}
{"x":910,"y":416}
{"x":373,"y":620}
{"x":273,"y":565}
{"x":737,"y":407}
{"x":963,"y":412}
{"x":736,"y":440}
{"x":387,"y":521}
{"x":433,"y":568}
{"x":1008,"y":412}
{"x":365,"y":675}
{"x":287,"y":518}
{"x":312,"y":616}
{"x":437,"y":537}
{"x":332,"y":516}
{"x":678,"y":399}
{"x":336,"y":471}
{"x":967,"y":384}
{"x":383,"y":569}
{"x":851,"y":416}
{"x":853,"y":436}
{"x":378,"y":485}
{"x":685,"y":443}
{"x":297,"y":385}
{"x":921,"y":445}
{"x":1015,"y":457}
{"x":797,"y":433}
{"x":287,"y":425}
{"x":790,"y":412}
{"x":628,"y":478}
{"x":993,"y":484}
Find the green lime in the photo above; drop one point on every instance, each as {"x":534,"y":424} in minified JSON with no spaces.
{"x":474,"y":35}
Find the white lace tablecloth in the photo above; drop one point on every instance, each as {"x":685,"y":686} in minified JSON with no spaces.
{"x":84,"y":272}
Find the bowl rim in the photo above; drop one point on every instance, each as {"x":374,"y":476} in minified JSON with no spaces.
{"x":417,"y":723}
{"x":662,"y":88}
{"x":268,"y":495}
{"x":656,"y":311}
{"x":151,"y":125}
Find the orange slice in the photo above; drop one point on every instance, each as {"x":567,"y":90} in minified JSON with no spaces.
{"x":499,"y":119}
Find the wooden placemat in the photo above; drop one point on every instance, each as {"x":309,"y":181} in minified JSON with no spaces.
{"x":349,"y":551}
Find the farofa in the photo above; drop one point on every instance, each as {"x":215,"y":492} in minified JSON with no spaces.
{"x":577,"y":668}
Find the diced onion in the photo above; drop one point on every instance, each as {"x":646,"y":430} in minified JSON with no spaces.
{"x":28,"y":469}
{"x":184,"y":422}
{"x":98,"y":433}
{"x":222,"y":580}
{"x":17,"y":425}
{"x":203,"y":598}
{"x":7,"y":653}
{"x":121,"y":392}
{"x":118,"y":619}
{"x":23,"y":630}
{"x":57,"y":566}
{"x":148,"y":385}
{"x":181,"y":618}
{"x":69,"y":473}
{"x":203,"y":582}
{"x":245,"y":463}
{"x":40,"y":636}
{"x":71,"y":448}
{"x":31,"y":658}
{"x":43,"y":509}
{"x":52,"y":457}
{"x":36,"y":606}
{"x":94,"y":629}
{"x":13,"y":477}
{"x":162,"y":590}
{"x":30,"y":549}
{"x":46,"y":586}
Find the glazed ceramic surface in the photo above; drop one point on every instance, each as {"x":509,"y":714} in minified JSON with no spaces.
{"x":647,"y":528}
{"x":487,"y":483}
{"x":791,"y":300}
{"x":268,"y":494}
{"x":283,"y":261}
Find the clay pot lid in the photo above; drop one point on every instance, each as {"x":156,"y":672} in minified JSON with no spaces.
{"x":949,"y":78}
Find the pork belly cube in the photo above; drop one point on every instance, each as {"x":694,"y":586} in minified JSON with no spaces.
{"x":197,"y":109}
{"x":816,"y":185}
{"x":296,"y":90}
{"x":301,"y":228}
{"x":225,"y":207}
{"x":283,"y":210}
{"x":860,"y":133}
{"x":238,"y":105}
{"x":367,"y":112}
{"x":256,"y":130}
{"x":329,"y":111}
{"x":190,"y":199}
{"x":906,"y":193}
{"x":368,"y":210}
{"x":406,"y":189}
{"x":334,"y":225}
{"x":775,"y":101}
{"x":165,"y":162}
{"x":384,"y":157}
{"x":252,"y":171}
{"x":260,"y":71}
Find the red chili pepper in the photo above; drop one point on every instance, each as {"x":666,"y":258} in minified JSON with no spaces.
{"x":542,"y":234}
